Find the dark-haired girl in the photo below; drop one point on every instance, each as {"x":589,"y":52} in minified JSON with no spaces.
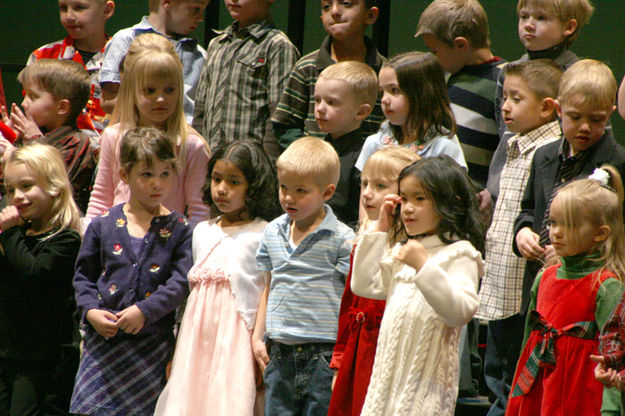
{"x":213,"y":368}
{"x":416,"y":105}
{"x":429,"y":280}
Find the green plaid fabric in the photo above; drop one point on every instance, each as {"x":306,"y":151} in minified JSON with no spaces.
{"x":543,"y":353}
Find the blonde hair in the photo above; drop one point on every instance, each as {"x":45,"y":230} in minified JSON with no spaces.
{"x":449,"y":19}
{"x":46,"y":164}
{"x":360,"y":78}
{"x":313,"y":158}
{"x":580,"y":10}
{"x":63,"y":79}
{"x":147,"y":42}
{"x":588,"y":199}
{"x":590,"y":80}
{"x":153,"y":5}
{"x":142,"y":68}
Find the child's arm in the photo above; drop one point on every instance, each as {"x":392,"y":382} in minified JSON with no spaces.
{"x":258,"y":343}
{"x":525,"y":242}
{"x":102,"y":194}
{"x":197,"y":163}
{"x":288,"y":119}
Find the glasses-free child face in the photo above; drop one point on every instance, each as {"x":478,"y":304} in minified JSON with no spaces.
{"x":418,"y":212}
{"x":149,"y":186}
{"x":46,"y":111}
{"x":582,"y":239}
{"x":184,"y":16}
{"x":228,"y":189}
{"x":395,"y":104}
{"x":372,"y":192}
{"x":336,"y":109}
{"x":157,"y":101}
{"x":248,"y":12}
{"x":541,"y":29}
{"x":301,"y":198}
{"x":84,"y":18}
{"x":346,"y":20}
{"x":28,"y":194}
{"x":583,"y":124}
{"x":521,"y":109}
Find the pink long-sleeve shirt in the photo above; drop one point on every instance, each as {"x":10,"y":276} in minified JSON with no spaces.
{"x":110,"y":190}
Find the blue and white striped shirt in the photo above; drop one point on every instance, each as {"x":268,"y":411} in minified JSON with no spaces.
{"x":307,"y":282}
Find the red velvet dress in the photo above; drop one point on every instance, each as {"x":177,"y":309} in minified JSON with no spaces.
{"x":354,"y":352}
{"x":567,"y":387}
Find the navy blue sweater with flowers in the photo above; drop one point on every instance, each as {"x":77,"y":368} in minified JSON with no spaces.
{"x":110,"y":275}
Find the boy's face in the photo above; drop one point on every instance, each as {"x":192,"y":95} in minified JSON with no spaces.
{"x":582,"y":124}
{"x":541,"y":29}
{"x":301,"y":198}
{"x":248,"y":12}
{"x":83,"y":18}
{"x":346,"y":19}
{"x":448,"y":56}
{"x":336,"y":109}
{"x":42,"y":107}
{"x":184,"y":16}
{"x":521,"y":109}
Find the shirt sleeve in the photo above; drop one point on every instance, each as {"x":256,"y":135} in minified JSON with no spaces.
{"x":371,"y":270}
{"x":116,"y":49}
{"x":263,"y":261}
{"x":88,"y":270}
{"x":282,"y":58}
{"x":612,"y":339}
{"x":197,"y":164}
{"x":289,"y":117}
{"x":102,"y":194}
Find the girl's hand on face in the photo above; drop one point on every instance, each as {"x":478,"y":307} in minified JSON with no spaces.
{"x":23,"y":125}
{"x":527,"y":243}
{"x":10,"y":217}
{"x":104,"y":322}
{"x":413,"y":254}
{"x":130,"y":320}
{"x":387,"y":211}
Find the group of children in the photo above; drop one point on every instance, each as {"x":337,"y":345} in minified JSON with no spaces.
{"x":244,"y":266}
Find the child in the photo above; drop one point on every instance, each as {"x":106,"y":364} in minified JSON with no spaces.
{"x":345,"y":93}
{"x":359,"y":318}
{"x":345,"y":23}
{"x":213,"y":369}
{"x":130,"y":276}
{"x":246,"y":71}
{"x":56,"y":91}
{"x":529,"y":110}
{"x":547,"y":29}
{"x":174,"y":19}
{"x":151,"y":95}
{"x":571,"y":301}
{"x":85,"y":23}
{"x":456,"y":31}
{"x":416,"y":105}
{"x":306,"y":251}
{"x":585,"y":102}
{"x":429,"y":281}
{"x":39,"y":242}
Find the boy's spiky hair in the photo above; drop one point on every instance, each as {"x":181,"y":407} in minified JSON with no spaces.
{"x":580,"y":10}
{"x":542,"y":76}
{"x":314,"y":158}
{"x":360,"y":77}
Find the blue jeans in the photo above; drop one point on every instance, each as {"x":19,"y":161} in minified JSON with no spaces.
{"x":298,"y":379}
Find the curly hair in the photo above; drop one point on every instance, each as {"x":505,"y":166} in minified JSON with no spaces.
{"x":262,"y":191}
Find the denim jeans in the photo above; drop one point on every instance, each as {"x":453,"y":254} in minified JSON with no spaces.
{"x":298,"y":379}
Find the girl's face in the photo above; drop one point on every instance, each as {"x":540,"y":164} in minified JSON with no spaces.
{"x":149,"y":186}
{"x":418,"y":212}
{"x":157,"y":101}
{"x":582,"y":239}
{"x":394,"y":102}
{"x":373,"y":189}
{"x":228,"y":189}
{"x":28,"y":194}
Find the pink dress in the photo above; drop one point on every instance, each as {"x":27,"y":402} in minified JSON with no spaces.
{"x":213,"y":366}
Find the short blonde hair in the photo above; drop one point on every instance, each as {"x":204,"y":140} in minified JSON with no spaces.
{"x":449,"y":19}
{"x":360,"y":78}
{"x":590,"y":80}
{"x":63,"y":79}
{"x":314,"y":158}
{"x":46,"y":164}
{"x":387,"y":162}
{"x":580,"y":10}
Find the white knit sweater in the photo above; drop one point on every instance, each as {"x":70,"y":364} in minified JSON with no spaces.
{"x":416,"y":363}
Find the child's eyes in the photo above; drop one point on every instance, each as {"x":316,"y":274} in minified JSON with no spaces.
{"x":169,"y":90}
{"x":380,"y":186}
{"x":301,"y":190}
{"x":166,"y":174}
{"x":149,"y":90}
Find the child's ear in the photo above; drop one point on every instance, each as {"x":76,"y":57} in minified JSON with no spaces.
{"x":109,"y":8}
{"x":329,"y":192}
{"x":569,"y":27}
{"x":548,"y":107}
{"x":363,"y":111}
{"x":602,"y":233}
{"x":123,"y":175}
{"x":63,"y":107}
{"x":372,"y":15}
{"x":461,"y":42}
{"x":558,"y":108}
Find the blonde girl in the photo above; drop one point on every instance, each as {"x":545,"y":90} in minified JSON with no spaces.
{"x":416,"y":105}
{"x":130,"y":276}
{"x":359,"y":318}
{"x":572,"y":301}
{"x":39,"y":242}
{"x":151,"y":94}
{"x":429,"y":280}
